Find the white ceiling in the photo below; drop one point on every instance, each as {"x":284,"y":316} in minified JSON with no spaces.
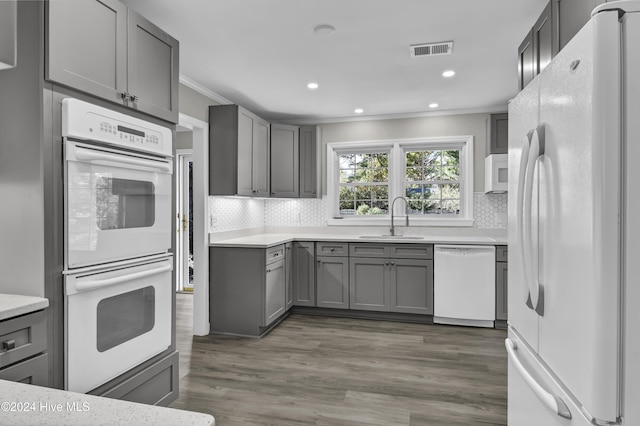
{"x":262,"y":53}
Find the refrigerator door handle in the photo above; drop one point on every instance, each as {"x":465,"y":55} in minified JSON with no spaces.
{"x":553,"y":402}
{"x":522,"y":172}
{"x":536,"y":150}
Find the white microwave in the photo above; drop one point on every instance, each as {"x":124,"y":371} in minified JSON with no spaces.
{"x":496,"y":173}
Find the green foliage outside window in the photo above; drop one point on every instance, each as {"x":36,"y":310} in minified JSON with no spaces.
{"x":364,"y":184}
{"x":432,"y":181}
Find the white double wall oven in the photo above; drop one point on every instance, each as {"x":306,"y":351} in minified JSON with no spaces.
{"x":118,"y":266}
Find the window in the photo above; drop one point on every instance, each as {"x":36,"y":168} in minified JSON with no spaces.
{"x":434,"y":175}
{"x":364,"y":183}
{"x":432,"y":181}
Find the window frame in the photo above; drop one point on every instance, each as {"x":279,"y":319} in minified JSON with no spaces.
{"x":397,"y":163}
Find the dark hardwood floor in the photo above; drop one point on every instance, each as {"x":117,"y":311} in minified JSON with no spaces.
{"x":314,"y":370}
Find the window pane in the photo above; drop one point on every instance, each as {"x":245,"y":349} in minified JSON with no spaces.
{"x":432,"y":191}
{"x":451,"y":158}
{"x":380,"y":175}
{"x":450,"y":173}
{"x":451,"y":191}
{"x":414,"y":207}
{"x":347,"y":175}
{"x":347,"y":161}
{"x":431,"y":207}
{"x":347,"y":193}
{"x":413,"y":192}
{"x":380,"y":207}
{"x":363,"y":192}
{"x":414,"y":173}
{"x":432,"y":158}
{"x":347,"y":207}
{"x":414,"y":158}
{"x":451,"y":206}
{"x":380,"y":192}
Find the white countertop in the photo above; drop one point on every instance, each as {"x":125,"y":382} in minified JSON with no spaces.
{"x":13,"y":305}
{"x":22,"y":404}
{"x":269,"y":240}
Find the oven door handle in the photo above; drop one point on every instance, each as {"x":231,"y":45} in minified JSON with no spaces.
{"x":106,"y":282}
{"x":90,"y":155}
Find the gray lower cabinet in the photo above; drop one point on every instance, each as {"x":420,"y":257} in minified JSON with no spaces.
{"x":501,"y":283}
{"x":288,"y":275}
{"x":332,"y":286}
{"x":391,"y":278}
{"x":23,"y":341}
{"x":304,"y":273}
{"x":156,"y":385}
{"x":285,"y":162}
{"x":275,"y":292}
{"x":247,"y":289}
{"x":113,"y":53}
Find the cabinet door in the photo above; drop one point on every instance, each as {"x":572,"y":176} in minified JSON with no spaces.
{"x":545,"y":39}
{"x":260,"y":166}
{"x":152,"y":70}
{"x":288,"y":271}
{"x":411,"y":286}
{"x":572,"y":15}
{"x":501,"y":290}
{"x":87,"y":46}
{"x":368,"y":284}
{"x":333,"y":282}
{"x":284,"y":161}
{"x":308,"y":162}
{"x":499,"y":140}
{"x":274,"y":300}
{"x":304,"y":276}
{"x":526,"y":69}
{"x":245,"y":152}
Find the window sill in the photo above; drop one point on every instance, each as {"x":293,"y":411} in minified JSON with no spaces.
{"x":400,"y":221}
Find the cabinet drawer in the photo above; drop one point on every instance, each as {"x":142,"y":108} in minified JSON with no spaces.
{"x":368,"y":250}
{"x":501,"y":253}
{"x":34,"y":371}
{"x":411,"y":251}
{"x":22,"y":337}
{"x":275,"y":253}
{"x":332,"y":249}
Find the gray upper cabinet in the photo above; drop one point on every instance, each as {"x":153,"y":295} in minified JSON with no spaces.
{"x":284,"y":161}
{"x":572,"y":15}
{"x":308,"y":162}
{"x":238,"y":152}
{"x":526,"y":69}
{"x":96,"y":61}
{"x":545,"y":39}
{"x":113,"y":53}
{"x":499,"y":136}
{"x":152,"y":69}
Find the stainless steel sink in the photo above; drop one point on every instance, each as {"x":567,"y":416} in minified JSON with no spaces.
{"x":391,"y":237}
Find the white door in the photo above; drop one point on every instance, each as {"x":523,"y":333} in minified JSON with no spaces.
{"x":523,"y":119}
{"x":184,"y":223}
{"x":579,"y":215}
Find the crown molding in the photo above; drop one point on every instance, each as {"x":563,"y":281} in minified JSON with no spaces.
{"x":186,"y":81}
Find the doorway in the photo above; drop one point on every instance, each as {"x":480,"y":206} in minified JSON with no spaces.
{"x":184,"y":226}
{"x":192,"y":238}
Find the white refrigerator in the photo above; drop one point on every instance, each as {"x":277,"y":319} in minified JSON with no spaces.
{"x":574,"y":231}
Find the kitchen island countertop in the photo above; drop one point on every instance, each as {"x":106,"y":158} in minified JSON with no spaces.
{"x":23,"y":404}
{"x":266,"y":240}
{"x":13,"y":305}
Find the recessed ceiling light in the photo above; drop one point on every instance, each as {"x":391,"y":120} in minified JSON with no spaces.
{"x":358,"y":110}
{"x":433,"y":105}
{"x":312,"y":86}
{"x":324,"y":29}
{"x":449,"y":73}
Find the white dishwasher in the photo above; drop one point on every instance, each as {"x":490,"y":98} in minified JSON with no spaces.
{"x":464,"y":287}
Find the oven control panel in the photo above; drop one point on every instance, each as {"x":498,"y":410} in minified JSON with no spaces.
{"x":91,"y":122}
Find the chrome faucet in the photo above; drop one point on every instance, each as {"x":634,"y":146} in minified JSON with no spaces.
{"x":392,"y":230}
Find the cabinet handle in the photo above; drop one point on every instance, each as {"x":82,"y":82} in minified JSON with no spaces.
{"x":9,"y":344}
{"x":393,"y":263}
{"x":386,"y":263}
{"x":125,"y":96}
{"x":268,"y":270}
{"x":332,"y":249}
{"x":134,"y":98}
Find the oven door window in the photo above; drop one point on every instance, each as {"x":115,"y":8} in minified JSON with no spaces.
{"x":124,"y":203}
{"x":124,"y":317}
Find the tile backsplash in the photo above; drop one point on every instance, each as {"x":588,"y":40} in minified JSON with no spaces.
{"x":234,"y":213}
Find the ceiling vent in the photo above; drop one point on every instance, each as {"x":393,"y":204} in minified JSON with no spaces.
{"x":431,"y":49}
